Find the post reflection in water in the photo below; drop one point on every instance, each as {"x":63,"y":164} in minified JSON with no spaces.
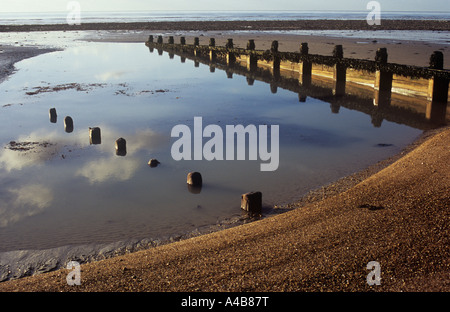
{"x":337,"y":84}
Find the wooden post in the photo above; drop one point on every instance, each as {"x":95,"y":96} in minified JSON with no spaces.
{"x":194,"y":179}
{"x":437,"y":92}
{"x":68,"y":124}
{"x":340,"y":71}
{"x":150,"y":38}
{"x":252,"y":202}
{"x":383,"y":80}
{"x":121,"y":147}
{"x":94,"y":135}
{"x":251,"y":44}
{"x":182,"y":40}
{"x":252,"y":60}
{"x":171,"y":40}
{"x":305,"y":67}
{"x":160,"y":40}
{"x":231,"y":58}
{"x":212,"y":52}
{"x":53,"y":115}
{"x":229,"y":44}
{"x":276,"y":62}
{"x":196,"y":41}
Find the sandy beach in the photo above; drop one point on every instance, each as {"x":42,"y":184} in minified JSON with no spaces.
{"x":395,"y":212}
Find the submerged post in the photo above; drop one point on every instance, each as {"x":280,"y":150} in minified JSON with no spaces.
{"x":339,"y":72}
{"x":437,"y":91}
{"x":383,"y":80}
{"x":305,"y":67}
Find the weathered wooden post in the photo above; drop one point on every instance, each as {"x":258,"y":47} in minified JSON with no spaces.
{"x":231,"y":57}
{"x":94,"y":135}
{"x":196,"y":45}
{"x":229,"y":44}
{"x":276,"y":62}
{"x":252,"y":60}
{"x":305,"y":66}
{"x":159,"y":40}
{"x":121,"y":147}
{"x":383,"y":80}
{"x":212,"y":51}
{"x":150,"y":38}
{"x":252,"y":203}
{"x":194,"y":182}
{"x":171,"y":55}
{"x":68,"y":124}
{"x":171,"y":40}
{"x":339,"y":72}
{"x":53,"y":115}
{"x":251,"y":44}
{"x":437,"y":91}
{"x":182,"y":40}
{"x":182,"y":59}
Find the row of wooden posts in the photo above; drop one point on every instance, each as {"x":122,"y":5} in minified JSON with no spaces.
{"x":250,"y":202}
{"x":384,"y":71}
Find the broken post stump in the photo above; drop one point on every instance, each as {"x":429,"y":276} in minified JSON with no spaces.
{"x":68,"y":124}
{"x":94,"y":135}
{"x":121,"y":147}
{"x":53,"y":115}
{"x":194,"y":182}
{"x":194,"y":178}
{"x":252,"y":202}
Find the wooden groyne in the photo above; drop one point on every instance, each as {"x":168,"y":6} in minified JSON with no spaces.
{"x":230,"y":59}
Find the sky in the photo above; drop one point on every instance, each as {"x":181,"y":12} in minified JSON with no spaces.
{"x":217,"y":5}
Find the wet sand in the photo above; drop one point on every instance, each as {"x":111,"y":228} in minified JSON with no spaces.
{"x":395,"y":212}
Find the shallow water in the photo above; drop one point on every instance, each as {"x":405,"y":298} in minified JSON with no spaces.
{"x":61,"y":190}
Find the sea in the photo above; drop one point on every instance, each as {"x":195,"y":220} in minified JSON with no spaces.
{"x":24,"y":18}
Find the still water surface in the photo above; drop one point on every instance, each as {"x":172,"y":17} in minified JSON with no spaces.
{"x":59,"y":189}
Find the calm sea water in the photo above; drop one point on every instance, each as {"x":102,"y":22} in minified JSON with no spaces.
{"x":155,"y":16}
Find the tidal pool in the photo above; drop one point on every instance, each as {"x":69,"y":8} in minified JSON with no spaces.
{"x":57,"y":189}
